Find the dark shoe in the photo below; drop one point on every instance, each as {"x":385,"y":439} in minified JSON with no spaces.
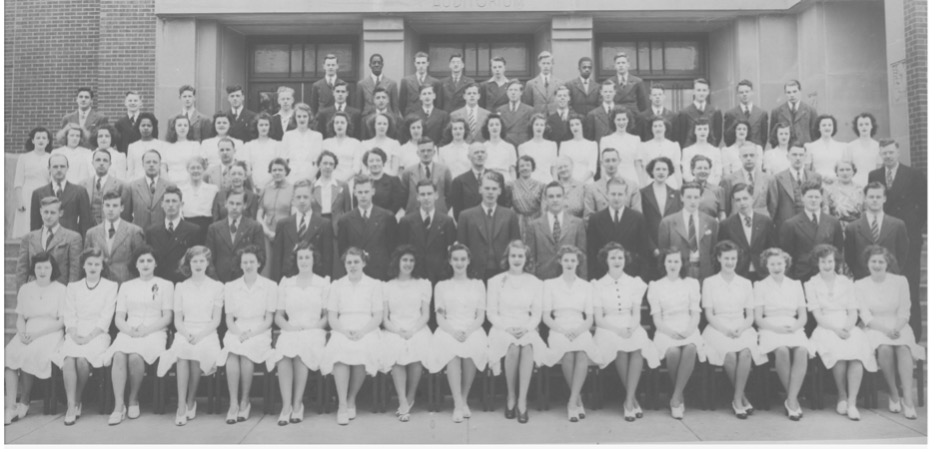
{"x":739,"y":411}
{"x":791,"y":414}
{"x":510,"y":413}
{"x":522,"y":417}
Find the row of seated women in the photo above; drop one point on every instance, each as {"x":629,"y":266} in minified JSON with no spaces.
{"x":358,"y":326}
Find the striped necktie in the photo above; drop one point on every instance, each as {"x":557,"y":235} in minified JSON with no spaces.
{"x":876,"y":229}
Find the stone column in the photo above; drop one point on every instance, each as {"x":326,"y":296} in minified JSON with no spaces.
{"x":572,"y":39}
{"x":384,"y":35}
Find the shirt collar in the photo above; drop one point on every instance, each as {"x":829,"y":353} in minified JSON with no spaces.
{"x":365,"y":212}
{"x":237,"y":111}
{"x":880,"y":215}
{"x":319,"y":183}
{"x":116,"y":223}
{"x":424,"y":215}
{"x":175,"y":223}
{"x":55,"y":229}
{"x":559,"y":217}
{"x":103,"y":179}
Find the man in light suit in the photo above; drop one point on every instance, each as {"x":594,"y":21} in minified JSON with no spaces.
{"x":464,"y":192}
{"x":100,"y":184}
{"x":540,"y":91}
{"x":84,"y":116}
{"x":322,"y":90}
{"x":364,"y":95}
{"x":128,"y":126}
{"x":369,"y":228}
{"x":558,"y":121}
{"x":692,"y":232}
{"x":630,"y":90}
{"x":811,"y":227}
{"x":380,"y":104}
{"x":475,"y":116}
{"x":430,"y":232}
{"x":226,"y":236}
{"x":453,"y":86}
{"x":146,"y":193}
{"x":800,"y":116}
{"x":303,"y":225}
{"x":700,"y":109}
{"x":434,"y":119}
{"x":324,"y":117}
{"x":63,"y":244}
{"x":753,"y":232}
{"x":516,"y":115}
{"x":747,"y":111}
{"x":75,"y":208}
{"x":119,"y":240}
{"x":217,"y":174}
{"x":874,"y":227}
{"x":622,"y":224}
{"x":598,"y":122}
{"x":171,"y":237}
{"x":285,"y":99}
{"x":645,"y":119}
{"x":552,"y":230}
{"x":596,"y":194}
{"x":487,"y":229}
{"x":201,"y":125}
{"x":751,"y":176}
{"x":651,"y":198}
{"x":583,"y":91}
{"x":410,"y":86}
{"x":427,"y":169}
{"x":241,"y":118}
{"x":784,"y":198}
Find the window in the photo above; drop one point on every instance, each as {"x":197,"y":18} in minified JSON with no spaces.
{"x":478,"y":52}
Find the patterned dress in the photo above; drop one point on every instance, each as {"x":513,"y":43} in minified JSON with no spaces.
{"x":527,"y":194}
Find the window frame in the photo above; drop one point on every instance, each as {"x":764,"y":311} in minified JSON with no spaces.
{"x":302,"y":40}
{"x":463,"y":39}
{"x":701,"y":39}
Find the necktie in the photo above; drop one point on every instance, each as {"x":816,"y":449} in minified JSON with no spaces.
{"x":556,"y":229}
{"x":876,"y":230}
{"x":546,"y":82}
{"x":793,"y":110}
{"x":170,"y":228}
{"x":491,"y":213}
{"x":691,"y":233}
{"x":234,"y":228}
{"x":97,"y":183}
{"x":797,"y":178}
{"x":420,"y":79}
{"x":471,"y":120}
{"x":746,"y":112}
{"x":513,"y":107}
{"x":563,"y":115}
{"x":751,"y":178}
{"x":302,"y":225}
{"x":426,"y":171}
{"x":111,"y":231}
{"x":608,"y":111}
{"x":331,"y":83}
{"x":748,"y":221}
{"x":152,"y":187}
{"x":58,"y":192}
{"x":49,"y":238}
{"x":889,"y":177}
{"x":815,"y":218}
{"x":427,"y":221}
{"x":617,"y":216}
{"x":427,"y":111}
{"x":364,"y":214}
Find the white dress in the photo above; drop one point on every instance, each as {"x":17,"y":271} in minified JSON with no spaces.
{"x":355,"y":304}
{"x":85,"y":310}
{"x":834,"y":304}
{"x":674,"y":301}
{"x":627,"y":146}
{"x":195,"y":303}
{"x":775,"y":161}
{"x":144,"y":303}
{"x":302,"y":150}
{"x":209,"y":150}
{"x":714,"y":154}
{"x":544,"y":154}
{"x":568,"y":304}
{"x":249,"y":306}
{"x":404,"y":300}
{"x":455,"y":156}
{"x":32,"y":172}
{"x":304,"y":308}
{"x":135,"y":153}
{"x":781,"y":302}
{"x":176,"y":156}
{"x":887,"y":302}
{"x":41,"y":307}
{"x":866,"y":157}
{"x":259,"y":154}
{"x":617,"y":298}
{"x":390,"y":146}
{"x":501,"y":158}
{"x":585,"y":157}
{"x":728,"y":300}
{"x":732,"y":159}
{"x":824,"y":155}
{"x":514,"y":301}
{"x":79,"y":163}
{"x":651,"y":149}
{"x":458,"y":302}
{"x":349,"y":154}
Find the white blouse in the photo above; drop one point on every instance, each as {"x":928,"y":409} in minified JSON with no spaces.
{"x":40,"y":306}
{"x":569,"y":302}
{"x":198,"y":201}
{"x":515,"y":301}
{"x":249,"y":305}
{"x":824,"y":154}
{"x":405,"y":300}
{"x":651,"y":149}
{"x":618,"y":296}
{"x":835,"y":302}
{"x":176,"y":156}
{"x":714,"y":154}
{"x":304,"y":306}
{"x":886,"y":302}
{"x":544,"y":154}
{"x":356,"y":303}
{"x":197,"y":301}
{"x":674,"y":298}
{"x":144,"y":301}
{"x":501,"y":158}
{"x":728,"y":300}
{"x":349,"y":154}
{"x":779,"y":300}
{"x":455,"y":157}
{"x":390,"y":147}
{"x":302,"y":149}
{"x":79,"y":163}
{"x":585,"y":157}
{"x":87,"y":309}
{"x":258,"y":155}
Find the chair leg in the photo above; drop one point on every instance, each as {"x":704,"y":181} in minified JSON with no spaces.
{"x":269,"y":391}
{"x":596,"y":397}
{"x":376,"y":393}
{"x":919,"y":375}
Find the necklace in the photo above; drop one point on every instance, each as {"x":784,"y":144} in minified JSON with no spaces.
{"x":95,"y":284}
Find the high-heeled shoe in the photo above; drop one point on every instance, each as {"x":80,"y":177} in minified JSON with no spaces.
{"x":522,"y":417}
{"x":296,"y":416}
{"x":191,"y":412}
{"x":244,"y":414}
{"x":284,"y":418}
{"x":909,"y":411}
{"x":117,"y":416}
{"x":181,"y":419}
{"x":894,"y":406}
{"x":70,"y":417}
{"x":572,"y":414}
{"x":9,"y":416}
{"x":853,"y":413}
{"x":749,"y":409}
{"x":510,"y":413}
{"x":133,"y":411}
{"x":676,"y":412}
{"x":791,"y":414}
{"x":629,"y":414}
{"x":232,"y":416}
{"x":739,"y":411}
{"x":638,"y":413}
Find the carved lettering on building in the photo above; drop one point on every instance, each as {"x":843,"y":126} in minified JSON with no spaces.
{"x":454,"y":5}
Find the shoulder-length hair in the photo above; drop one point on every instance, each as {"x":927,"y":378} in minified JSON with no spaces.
{"x":44,"y":256}
{"x":663,"y":258}
{"x":62,"y":135}
{"x":115,"y":135}
{"x":393,"y":270}
{"x":171,"y":135}
{"x":496,"y":117}
{"x":185,"y":269}
{"x":517,"y":245}
{"x":32,"y":135}
{"x":349,"y":127}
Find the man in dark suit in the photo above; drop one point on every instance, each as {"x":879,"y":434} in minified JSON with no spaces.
{"x":622,"y":224}
{"x":322,"y":90}
{"x":285,"y":97}
{"x":599,"y":121}
{"x":645,"y":119}
{"x":430,"y":231}
{"x":171,"y":236}
{"x":464,"y":192}
{"x":363,"y":98}
{"x":119,"y":240}
{"x":128,"y":126}
{"x":700,"y":108}
{"x":428,"y":169}
{"x":629,"y":90}
{"x":558,"y":121}
{"x":201,"y":125}
{"x":370,"y":228}
{"x":583,"y":91}
{"x":84,"y":116}
{"x":75,"y":208}
{"x":658,"y":200}
{"x":906,"y":200}
{"x":596,"y":195}
{"x":751,"y":231}
{"x":410,"y":86}
{"x":784,"y":198}
{"x":434,"y":119}
{"x":800,"y":116}
{"x":874,"y":227}
{"x":552,"y":230}
{"x":146,"y":193}
{"x":692,"y":232}
{"x":494,"y":90}
{"x":226,"y":236}
{"x":747,"y":111}
{"x":453,"y":86}
{"x":102,"y":183}
{"x":749,"y":175}
{"x":380,"y":104}
{"x":51,"y":237}
{"x":488,"y":228}
{"x":540,"y":91}
{"x":303,"y":225}
{"x":241,"y":118}
{"x":324,"y":117}
{"x":809,"y":228}
{"x":516,"y":115}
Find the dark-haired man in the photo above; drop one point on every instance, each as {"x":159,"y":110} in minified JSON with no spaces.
{"x":322,"y":90}
{"x":226,"y":236}
{"x":241,"y":118}
{"x":118,"y":239}
{"x":172,"y":236}
{"x":63,"y":244}
{"x":76,"y":207}
{"x":811,"y":227}
{"x":752,"y":232}
{"x":430,"y":231}
{"x":364,"y":94}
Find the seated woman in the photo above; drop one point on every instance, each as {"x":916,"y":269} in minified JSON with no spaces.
{"x":675,"y":308}
{"x":460,"y":343}
{"x":249,"y":304}
{"x":568,"y":312}
{"x":143,"y":312}
{"x":38,"y":334}
{"x":355,"y":313}
{"x":515,"y":306}
{"x":884,"y":302}
{"x":619,"y":334}
{"x":781,"y":313}
{"x":730,"y":341}
{"x":301,"y":316}
{"x":839,"y":343}
{"x":195,"y":347}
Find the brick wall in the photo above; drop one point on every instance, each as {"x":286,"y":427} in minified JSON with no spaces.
{"x":127,"y":54}
{"x":915,"y":29}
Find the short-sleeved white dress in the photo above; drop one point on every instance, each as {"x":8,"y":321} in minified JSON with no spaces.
{"x":514,"y":301}
{"x":304,"y":308}
{"x":834,"y":303}
{"x":249,"y":305}
{"x":887,"y":302}
{"x":356,"y":303}
{"x":617,"y":298}
{"x":781,"y":302}
{"x":144,"y":303}
{"x":675,"y":301}
{"x":458,"y":302}
{"x":195,"y":302}
{"x":404,"y":300}
{"x":41,"y":307}
{"x":728,"y":300}
{"x":568,"y":304}
{"x":86,"y":309}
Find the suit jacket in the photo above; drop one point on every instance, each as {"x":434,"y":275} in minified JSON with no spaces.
{"x":76,"y":207}
{"x":318,"y":232}
{"x":341,"y":201}
{"x":129,"y":132}
{"x":452,"y":93}
{"x":171,"y":248}
{"x":364,"y":92}
{"x":799,"y":236}
{"x":96,"y":197}
{"x":276,"y":126}
{"x":583,"y":100}
{"x":762,"y":180}
{"x":633,"y":95}
{"x":558,"y":129}
{"x":480,"y":119}
{"x":757,"y":119}
{"x":652,"y":211}
{"x":686,"y":120}
{"x":224,"y":250}
{"x":441,"y":177}
{"x":377,"y":236}
{"x":92,"y":121}
{"x":597,"y":124}
{"x":146,"y":208}
{"x":893,"y":235}
{"x":516,"y":123}
{"x":539,"y":96}
{"x":367,"y":123}
{"x":763,"y":237}
{"x":801,"y":124}
{"x":630,"y":232}
{"x":782,"y":198}
{"x":201,"y":125}
{"x":643,"y":126}
{"x":65,"y":248}
{"x":219,"y":209}
{"x":433,"y":125}
{"x":409,"y":101}
{"x":463,"y":194}
{"x":128,"y":238}
{"x":322,"y":95}
{"x":906,"y":200}
{"x":543,"y":249}
{"x":596,"y":197}
{"x":242,"y":124}
{"x":326,"y":113}
{"x":431,"y":245}
{"x":487,"y":246}
{"x":493,"y":96}
{"x":673,"y":233}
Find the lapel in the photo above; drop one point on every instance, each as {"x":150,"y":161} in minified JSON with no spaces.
{"x":653,"y":200}
{"x":866,"y":230}
{"x":226,"y":232}
{"x":681,"y":229}
{"x":538,"y":85}
{"x":799,"y":112}
{"x":57,"y":238}
{"x":901,"y":179}
{"x":739,"y":230}
{"x":787,"y":182}
{"x":371,"y":224}
{"x":35,"y":239}
{"x":119,"y":236}
{"x":481,"y":224}
{"x":807,"y":226}
{"x":435,"y":226}
{"x":758,"y":227}
{"x":671,"y":200}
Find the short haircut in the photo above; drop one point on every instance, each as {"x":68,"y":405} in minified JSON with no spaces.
{"x":393,"y":270}
{"x":426,"y":86}
{"x":554,"y":184}
{"x":570,"y":249}
{"x":102,"y":151}
{"x":621,"y":55}
{"x":279,"y":161}
{"x":493,"y":176}
{"x":656,"y":86}
{"x":330,"y":56}
{"x":115,"y":135}
{"x":700,"y":158}
{"x":744,"y":82}
{"x":609,"y":151}
{"x":340,"y":83}
{"x":172,"y":190}
{"x":285,"y":89}
{"x":132,"y":91}
{"x":226,"y":140}
{"x":855,"y":123}
{"x":701,"y":81}
{"x":85,"y":89}
{"x":653,"y":163}
{"x":816,"y":128}
{"x":884,"y":142}
{"x":774,"y":252}
{"x":426,"y":140}
{"x":376,"y":151}
{"x":44,"y":256}
{"x":302,"y":183}
{"x":151,"y":151}
{"x":425,"y":183}
{"x":528,"y":159}
{"x":234,"y":88}
{"x":185,"y":88}
{"x":50,"y":200}
{"x":377,"y":90}
{"x":456,"y":55}
{"x":617,"y":180}
{"x":792,"y":82}
{"x":808,"y":186}
{"x":420,"y":55}
{"x":583,"y":60}
{"x":486,"y":134}
{"x":499,"y":59}
{"x":876,"y":185}
{"x":846,"y":162}
{"x":355,"y":251}
{"x":741,"y":186}
{"x":58,"y":156}
{"x":563,"y":88}
{"x":690,"y":186}
{"x":113,"y":194}
{"x":327,"y":154}
{"x":362,"y":179}
{"x":544,"y":54}
{"x":371,"y":58}
{"x":32,"y":135}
